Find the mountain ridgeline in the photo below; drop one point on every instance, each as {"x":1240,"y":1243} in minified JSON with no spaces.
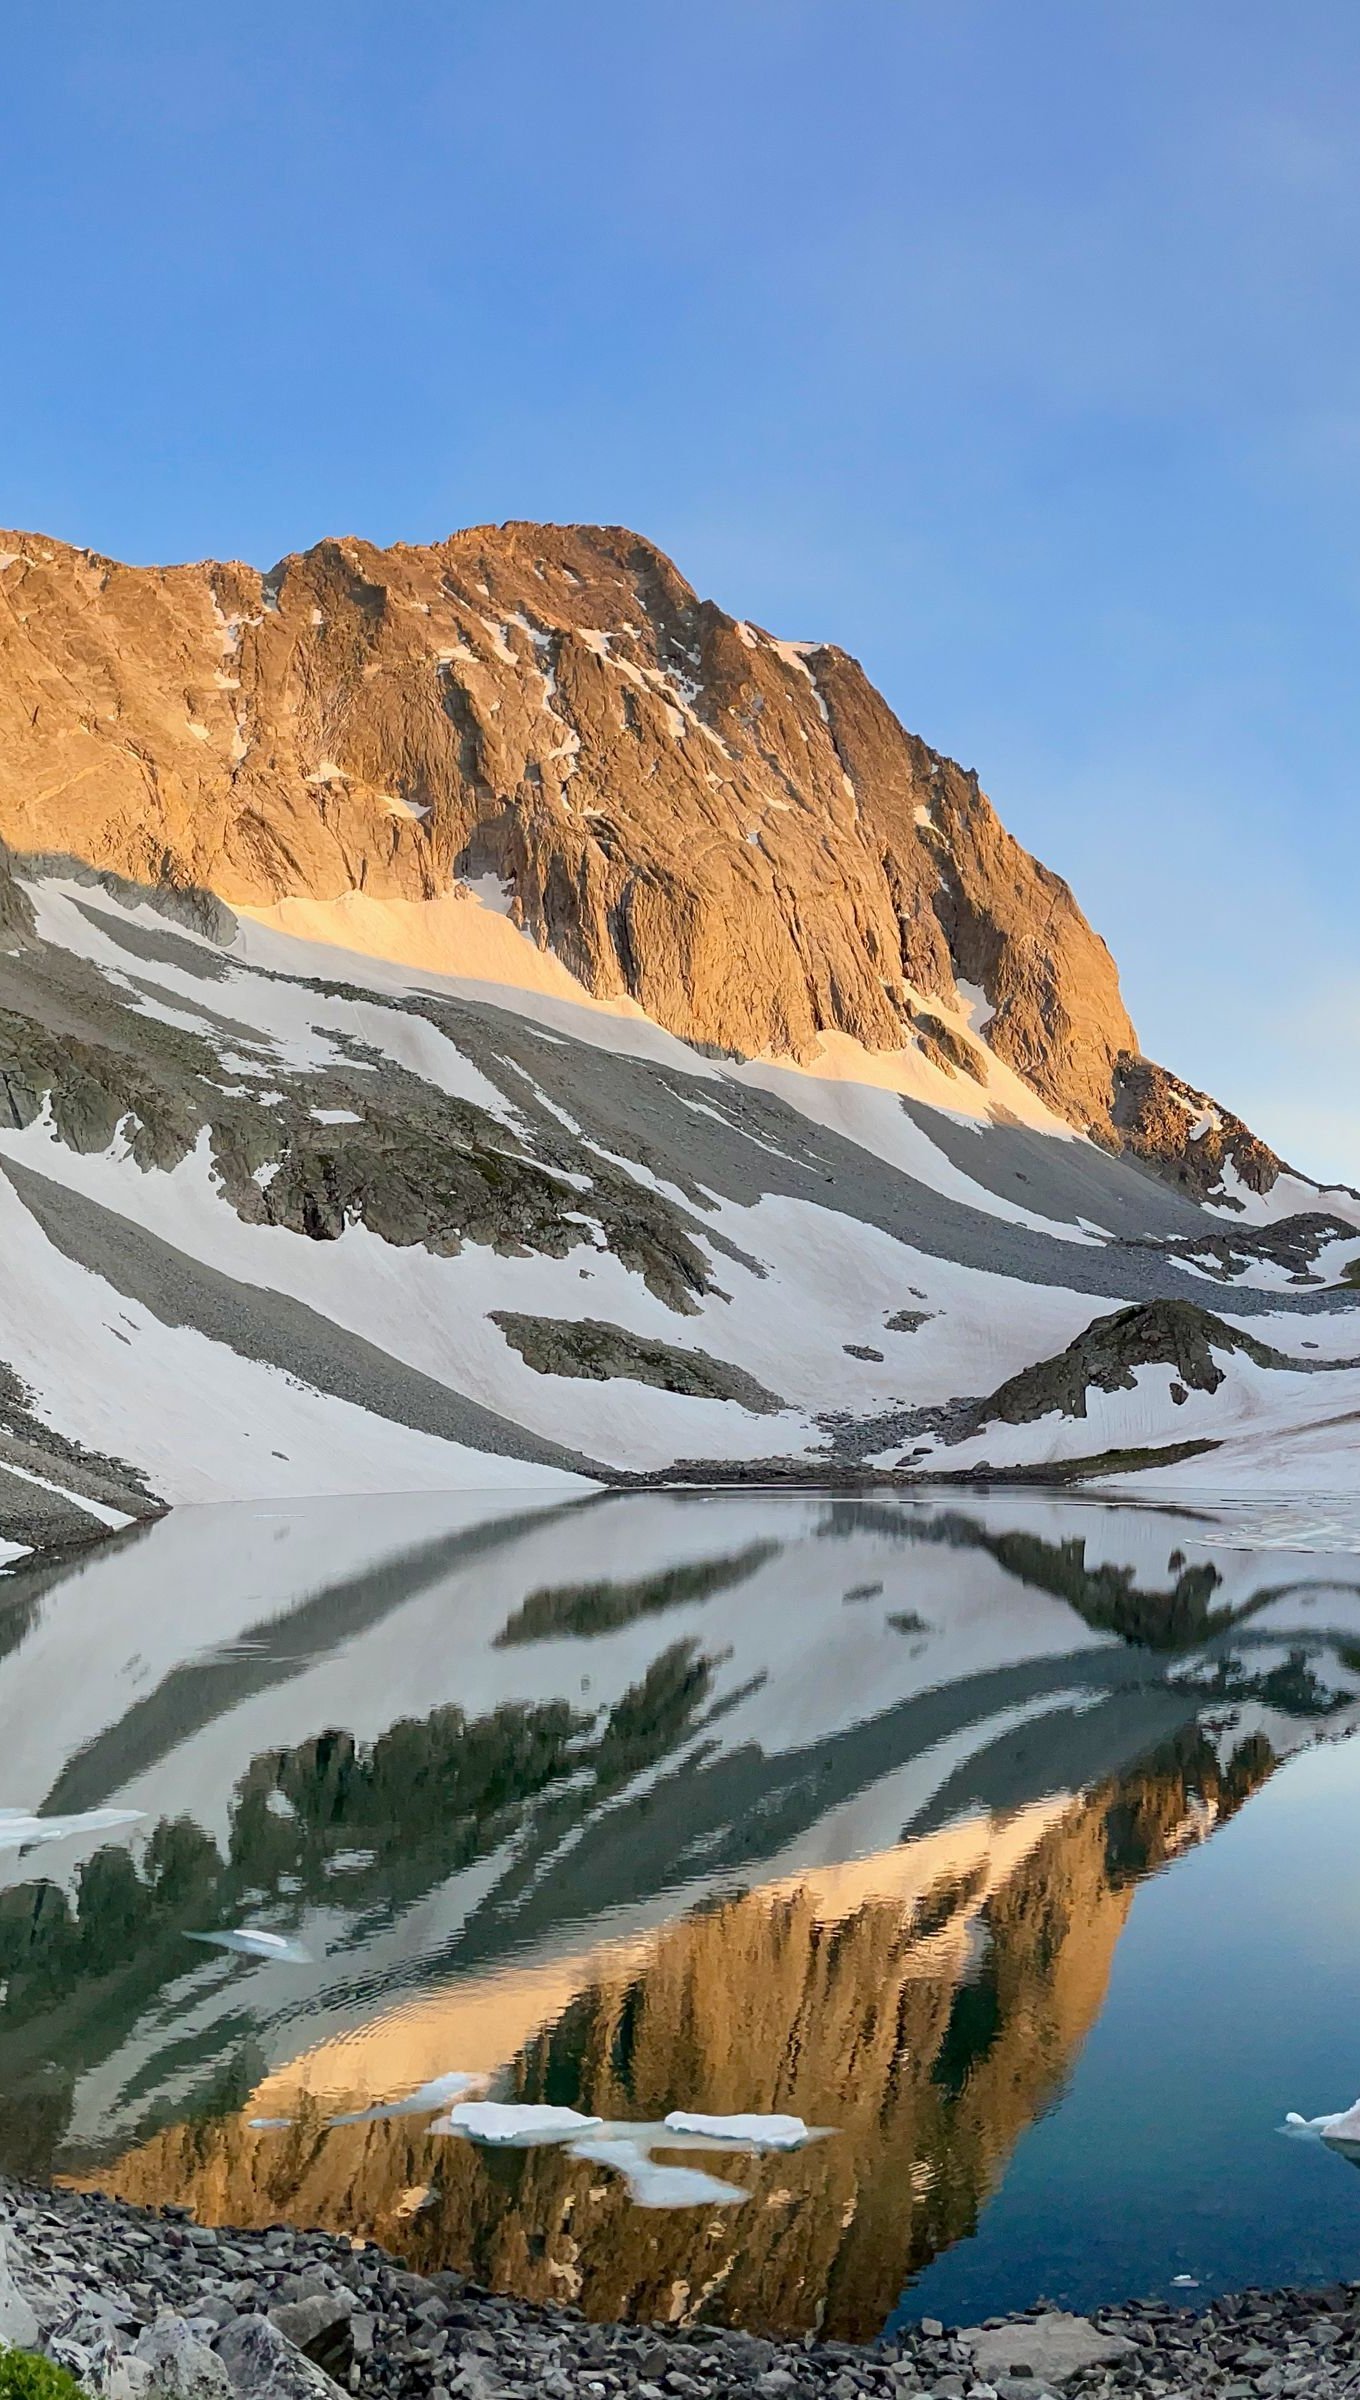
{"x":730,"y":830}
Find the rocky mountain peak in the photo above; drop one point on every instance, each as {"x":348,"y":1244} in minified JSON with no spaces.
{"x":732,"y":830}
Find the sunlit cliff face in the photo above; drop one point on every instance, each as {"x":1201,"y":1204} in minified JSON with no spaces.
{"x":926,"y":2003}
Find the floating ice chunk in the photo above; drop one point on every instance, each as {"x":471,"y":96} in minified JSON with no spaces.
{"x":20,"y":1829}
{"x":653,"y":2186}
{"x":269,"y":2124}
{"x":431,"y":2096}
{"x":252,"y":1941}
{"x":500,"y":2121}
{"x":753,"y":2132}
{"x":1342,"y":2128}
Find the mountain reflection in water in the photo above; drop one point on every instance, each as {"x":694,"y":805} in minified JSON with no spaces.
{"x":775,"y":1803}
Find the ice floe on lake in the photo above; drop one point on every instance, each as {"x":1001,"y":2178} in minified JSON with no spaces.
{"x":425,"y":2102}
{"x":252,"y":1941}
{"x":626,"y":2148}
{"x":747,"y":2132}
{"x":1342,"y":2128}
{"x":651,"y":2185}
{"x":20,"y":1829}
{"x":495,"y":2121}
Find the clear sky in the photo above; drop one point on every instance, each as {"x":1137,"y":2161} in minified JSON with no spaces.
{"x":1012,"y":343}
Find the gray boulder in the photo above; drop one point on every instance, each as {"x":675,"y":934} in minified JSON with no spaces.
{"x":320,"y":2327}
{"x":18,"y":2324}
{"x":262,"y":2364}
{"x":1051,"y":2348}
{"x":181,"y":2365}
{"x":116,"y":2374}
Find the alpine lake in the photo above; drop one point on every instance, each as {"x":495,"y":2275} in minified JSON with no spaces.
{"x":1008,"y":1841}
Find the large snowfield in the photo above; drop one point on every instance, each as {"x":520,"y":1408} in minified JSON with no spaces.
{"x":879,"y":1238}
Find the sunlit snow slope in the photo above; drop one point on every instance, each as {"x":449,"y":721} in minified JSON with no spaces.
{"x":281,"y":1217}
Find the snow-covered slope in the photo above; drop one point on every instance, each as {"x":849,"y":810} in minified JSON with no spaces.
{"x":279,"y":1217}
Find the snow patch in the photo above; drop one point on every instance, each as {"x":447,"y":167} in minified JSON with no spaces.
{"x":651,"y":2185}
{"x":500,"y":2123}
{"x":751,"y":2132}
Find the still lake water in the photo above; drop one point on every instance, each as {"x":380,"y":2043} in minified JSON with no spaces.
{"x":1012,"y":1839}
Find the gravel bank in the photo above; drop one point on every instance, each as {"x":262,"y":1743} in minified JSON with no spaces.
{"x":145,"y":2306}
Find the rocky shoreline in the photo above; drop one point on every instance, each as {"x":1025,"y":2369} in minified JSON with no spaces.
{"x":147,"y":2305}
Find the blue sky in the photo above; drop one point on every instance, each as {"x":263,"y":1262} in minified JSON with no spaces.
{"x":1016,"y":347}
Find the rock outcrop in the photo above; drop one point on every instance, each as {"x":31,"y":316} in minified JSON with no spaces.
{"x":1185,"y":1136}
{"x":1105,"y":1358}
{"x":586,"y":1348}
{"x":16,"y":912}
{"x":732,"y":830}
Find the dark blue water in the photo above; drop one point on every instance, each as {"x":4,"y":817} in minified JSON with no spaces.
{"x":1234,"y":1996}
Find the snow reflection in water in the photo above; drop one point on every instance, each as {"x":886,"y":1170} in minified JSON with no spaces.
{"x":714,"y":1821}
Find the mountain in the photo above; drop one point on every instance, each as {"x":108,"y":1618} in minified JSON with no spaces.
{"x":481,"y":1011}
{"x":731,"y":831}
